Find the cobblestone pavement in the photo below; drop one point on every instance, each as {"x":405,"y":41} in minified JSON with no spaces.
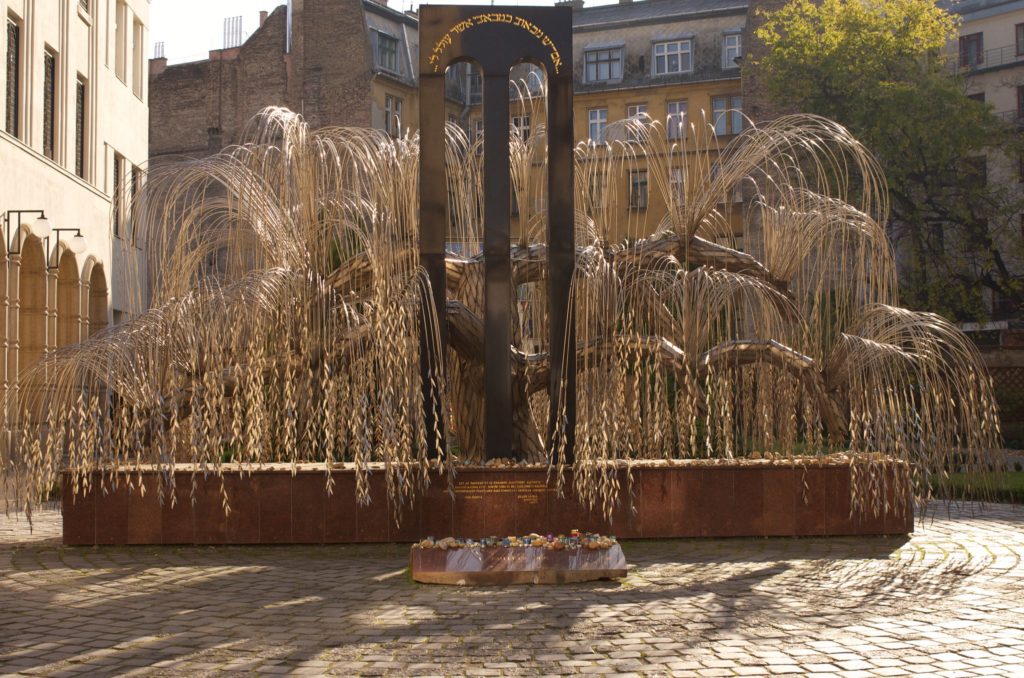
{"x":949,"y":601}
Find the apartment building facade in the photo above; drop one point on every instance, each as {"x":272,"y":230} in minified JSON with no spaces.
{"x":674,"y":62}
{"x":73,"y":145}
{"x":990,"y":54}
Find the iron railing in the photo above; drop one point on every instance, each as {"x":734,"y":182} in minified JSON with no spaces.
{"x":990,"y":58}
{"x":1012,"y":117}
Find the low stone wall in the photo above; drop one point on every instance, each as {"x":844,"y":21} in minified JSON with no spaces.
{"x":277,"y":507}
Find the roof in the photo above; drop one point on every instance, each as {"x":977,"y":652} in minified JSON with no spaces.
{"x":990,"y":7}
{"x":652,"y":11}
{"x":393,"y":14}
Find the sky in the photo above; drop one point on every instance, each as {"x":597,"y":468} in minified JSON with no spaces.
{"x":189,"y":29}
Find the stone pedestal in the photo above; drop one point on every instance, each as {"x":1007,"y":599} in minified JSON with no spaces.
{"x":499,"y":565}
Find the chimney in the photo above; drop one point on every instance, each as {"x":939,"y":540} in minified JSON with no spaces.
{"x":263,"y":17}
{"x":575,"y":4}
{"x":157,"y":66}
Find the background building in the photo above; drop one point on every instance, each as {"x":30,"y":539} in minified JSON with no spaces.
{"x":676,"y":62}
{"x":672,"y":60}
{"x":336,"y":63}
{"x":73,"y":136}
{"x":991,"y":54}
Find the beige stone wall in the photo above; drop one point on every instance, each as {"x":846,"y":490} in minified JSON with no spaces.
{"x":50,"y":296}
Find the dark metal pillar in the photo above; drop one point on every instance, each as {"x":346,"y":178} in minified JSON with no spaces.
{"x":497,"y":269}
{"x":561,"y":259}
{"x":433,"y":227}
{"x":498,"y":37}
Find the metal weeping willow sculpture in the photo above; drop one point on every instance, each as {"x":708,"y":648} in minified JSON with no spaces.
{"x":288,"y":302}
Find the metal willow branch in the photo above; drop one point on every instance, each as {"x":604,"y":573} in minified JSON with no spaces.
{"x":288,"y":299}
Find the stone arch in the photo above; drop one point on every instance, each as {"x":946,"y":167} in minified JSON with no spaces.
{"x":69,"y":300}
{"x":32,"y":313}
{"x":97,"y":300}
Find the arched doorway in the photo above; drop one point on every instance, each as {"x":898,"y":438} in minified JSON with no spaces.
{"x":32,"y":316}
{"x":69,"y":301}
{"x":97,"y":300}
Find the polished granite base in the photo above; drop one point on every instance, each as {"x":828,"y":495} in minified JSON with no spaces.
{"x":275,"y":506}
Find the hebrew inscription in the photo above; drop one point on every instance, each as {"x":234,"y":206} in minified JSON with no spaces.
{"x":492,"y":18}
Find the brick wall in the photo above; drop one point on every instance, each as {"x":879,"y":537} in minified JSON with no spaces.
{"x":336,"y":66}
{"x":198,"y":108}
{"x":755,"y":98}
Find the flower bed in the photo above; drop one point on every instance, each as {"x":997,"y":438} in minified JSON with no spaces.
{"x":514,"y":560}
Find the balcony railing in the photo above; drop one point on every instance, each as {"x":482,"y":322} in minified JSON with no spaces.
{"x":1012,"y":117}
{"x":990,"y":58}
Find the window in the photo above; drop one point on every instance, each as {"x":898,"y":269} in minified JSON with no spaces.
{"x":138,"y":57}
{"x":120,"y":40}
{"x":116,"y":196}
{"x":521,"y":124}
{"x":80,"y":127}
{"x":598,"y":186}
{"x":979,"y":97}
{"x":387,"y":52}
{"x":1020,"y":39}
{"x":13,"y":76}
{"x":598,"y":121}
{"x":476,"y":86}
{"x":732,"y":49}
{"x":635,"y":112}
{"x":478,"y":129}
{"x":531,"y":77}
{"x":727,"y":115}
{"x":972,"y":52}
{"x":638,"y":189}
{"x":676,"y":119}
{"x":976,"y":172}
{"x":673,"y":57}
{"x":936,"y":236}
{"x":136,"y":190}
{"x":676,"y":183}
{"x":49,"y":102}
{"x":1020,"y":103}
{"x":392,"y":115}
{"x":603,"y":64}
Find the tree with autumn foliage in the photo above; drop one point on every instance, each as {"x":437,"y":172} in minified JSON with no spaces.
{"x":887,"y":71}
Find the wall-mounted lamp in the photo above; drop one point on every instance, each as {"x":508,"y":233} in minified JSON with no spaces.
{"x":77,"y":242}
{"x":41,"y":227}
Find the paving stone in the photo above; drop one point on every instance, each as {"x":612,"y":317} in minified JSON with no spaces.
{"x":946,"y":602}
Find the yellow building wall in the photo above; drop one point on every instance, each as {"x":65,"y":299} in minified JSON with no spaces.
{"x":633,"y":223}
{"x":381,"y":88}
{"x":698,"y":96}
